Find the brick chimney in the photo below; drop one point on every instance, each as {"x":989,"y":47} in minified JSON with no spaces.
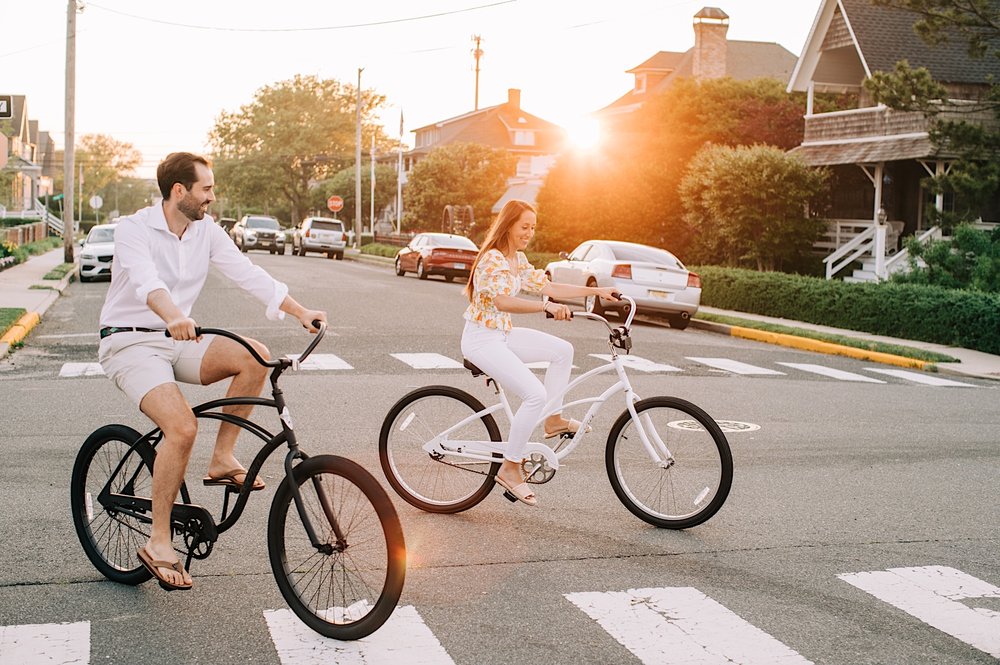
{"x":514,"y":98}
{"x":710,"y":27}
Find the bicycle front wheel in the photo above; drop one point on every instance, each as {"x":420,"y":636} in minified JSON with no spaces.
{"x":348,"y":585}
{"x":691,"y":477}
{"x":436,"y":481}
{"x":110,"y":537}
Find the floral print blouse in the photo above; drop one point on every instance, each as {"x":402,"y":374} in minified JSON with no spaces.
{"x":493,"y":278}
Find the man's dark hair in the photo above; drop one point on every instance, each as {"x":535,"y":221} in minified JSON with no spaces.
{"x":178,"y":167}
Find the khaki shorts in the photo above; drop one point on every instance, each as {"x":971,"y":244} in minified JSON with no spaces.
{"x":138,"y":361}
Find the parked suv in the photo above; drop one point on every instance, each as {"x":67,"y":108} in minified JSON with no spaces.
{"x":259,"y":232}
{"x":319,"y":234}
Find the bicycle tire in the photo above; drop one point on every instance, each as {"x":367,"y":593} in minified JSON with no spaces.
{"x":692,"y":486}
{"x":444,"y":485}
{"x":346,"y":594}
{"x":111,"y":540}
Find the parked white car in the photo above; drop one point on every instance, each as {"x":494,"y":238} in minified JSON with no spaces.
{"x":656,"y":279}
{"x":320,"y":234}
{"x":97,"y":251}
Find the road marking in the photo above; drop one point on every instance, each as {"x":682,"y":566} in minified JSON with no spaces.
{"x":831,"y":372}
{"x":919,"y":377}
{"x":81,"y":369}
{"x":681,"y":625}
{"x":427,"y":360}
{"x":404,"y":638}
{"x":637,"y":363}
{"x":53,"y":643}
{"x":735,"y":366}
{"x":321,"y":361}
{"x":932,"y":594}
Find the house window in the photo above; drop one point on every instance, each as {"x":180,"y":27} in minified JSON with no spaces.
{"x":640,"y":84}
{"x":524,"y":137}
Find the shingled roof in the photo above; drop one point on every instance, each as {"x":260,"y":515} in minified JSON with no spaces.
{"x":885,"y":35}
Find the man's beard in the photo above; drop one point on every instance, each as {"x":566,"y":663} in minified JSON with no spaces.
{"x":191,"y":208}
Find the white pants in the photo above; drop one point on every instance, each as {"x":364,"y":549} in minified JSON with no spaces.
{"x":503,"y":357}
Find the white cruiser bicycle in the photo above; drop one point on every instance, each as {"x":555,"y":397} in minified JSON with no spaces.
{"x":668,"y":461}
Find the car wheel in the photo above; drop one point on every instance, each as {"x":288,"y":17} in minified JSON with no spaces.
{"x":593,"y":303}
{"x":243,"y":247}
{"x":399,"y":268}
{"x":449,"y":278}
{"x":340,"y":256}
{"x":84,"y":278}
{"x":330,"y":255}
{"x":421,"y":273}
{"x":679,"y":321}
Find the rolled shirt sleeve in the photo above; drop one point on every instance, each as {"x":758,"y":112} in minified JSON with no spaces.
{"x":532,"y":280}
{"x":253,"y":279}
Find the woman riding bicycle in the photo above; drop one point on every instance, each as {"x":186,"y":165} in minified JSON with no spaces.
{"x":490,"y":341}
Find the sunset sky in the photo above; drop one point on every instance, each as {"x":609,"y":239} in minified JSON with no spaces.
{"x":158,"y":74}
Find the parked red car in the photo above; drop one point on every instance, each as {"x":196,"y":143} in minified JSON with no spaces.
{"x":437,"y":254}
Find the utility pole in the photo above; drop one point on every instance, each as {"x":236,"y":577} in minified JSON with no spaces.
{"x":477,"y":53}
{"x":69,"y":152}
{"x":357,"y":167}
{"x":371,"y":215}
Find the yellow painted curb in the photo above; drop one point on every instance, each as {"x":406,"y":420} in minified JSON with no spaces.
{"x":20,"y":330}
{"x":808,"y":344}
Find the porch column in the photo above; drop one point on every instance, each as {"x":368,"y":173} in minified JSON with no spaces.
{"x":878,"y":219}
{"x":939,"y":170}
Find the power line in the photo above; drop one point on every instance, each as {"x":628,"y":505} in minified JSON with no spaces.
{"x":314,"y":29}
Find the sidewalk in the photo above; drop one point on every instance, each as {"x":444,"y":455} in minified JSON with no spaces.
{"x":16,"y":292}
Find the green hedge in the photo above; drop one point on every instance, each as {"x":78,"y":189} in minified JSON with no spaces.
{"x":968,"y":319}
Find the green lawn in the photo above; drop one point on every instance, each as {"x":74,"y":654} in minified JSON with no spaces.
{"x":9,"y":316}
{"x":905,"y":351}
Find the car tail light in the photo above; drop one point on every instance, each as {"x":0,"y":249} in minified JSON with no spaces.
{"x":622,"y":271}
{"x":694,"y":281}
{"x":307,"y":232}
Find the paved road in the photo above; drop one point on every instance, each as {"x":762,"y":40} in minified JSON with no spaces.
{"x":862,"y":527}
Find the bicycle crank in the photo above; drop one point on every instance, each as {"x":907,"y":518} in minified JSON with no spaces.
{"x":536,"y":469}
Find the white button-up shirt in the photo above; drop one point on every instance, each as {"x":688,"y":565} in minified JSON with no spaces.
{"x":148,"y":256}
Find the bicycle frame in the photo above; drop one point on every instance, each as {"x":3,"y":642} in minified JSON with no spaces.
{"x":655,"y":447}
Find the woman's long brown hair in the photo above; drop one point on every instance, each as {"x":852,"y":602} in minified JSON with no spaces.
{"x":497,"y":233}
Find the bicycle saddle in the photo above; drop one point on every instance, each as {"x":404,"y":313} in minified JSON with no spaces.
{"x":472,"y":368}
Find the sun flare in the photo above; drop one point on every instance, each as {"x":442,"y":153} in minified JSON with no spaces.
{"x":584,"y":133}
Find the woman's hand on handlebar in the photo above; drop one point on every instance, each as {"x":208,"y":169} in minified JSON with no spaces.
{"x":183,"y":329}
{"x":608,"y":293}
{"x":308,"y":316}
{"x":558,"y":311}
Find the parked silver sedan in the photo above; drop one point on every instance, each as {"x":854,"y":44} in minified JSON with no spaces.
{"x":656,"y":279}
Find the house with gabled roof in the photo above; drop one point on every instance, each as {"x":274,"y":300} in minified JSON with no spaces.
{"x":21,"y":158}
{"x":880,"y":156}
{"x":712,"y":56}
{"x":534,"y":142}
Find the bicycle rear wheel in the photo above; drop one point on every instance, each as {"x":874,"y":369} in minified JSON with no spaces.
{"x":683,"y":489}
{"x":348,"y":588}
{"x":109,"y":537}
{"x":437,"y":483}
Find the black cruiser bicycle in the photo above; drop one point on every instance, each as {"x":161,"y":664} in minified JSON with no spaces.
{"x":334,"y":540}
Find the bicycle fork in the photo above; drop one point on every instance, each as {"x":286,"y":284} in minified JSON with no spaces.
{"x":322,"y":547}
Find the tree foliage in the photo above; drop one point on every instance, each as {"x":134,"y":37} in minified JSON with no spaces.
{"x":969,"y":259}
{"x":628,"y":190}
{"x":456,"y":174}
{"x":746,"y":206}
{"x":343,"y":184}
{"x":293,"y":133}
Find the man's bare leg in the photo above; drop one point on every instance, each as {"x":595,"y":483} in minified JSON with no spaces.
{"x":223,"y":359}
{"x":166,"y":406}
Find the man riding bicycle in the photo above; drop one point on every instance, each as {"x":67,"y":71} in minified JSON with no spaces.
{"x":161,"y":261}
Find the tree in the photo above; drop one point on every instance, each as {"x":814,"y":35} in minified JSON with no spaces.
{"x":969,"y":259}
{"x":104,"y":161}
{"x":974,"y":177}
{"x":292,"y":134}
{"x":629,"y":189}
{"x":342,"y":184}
{"x":746,"y":206}
{"x":456,"y":174}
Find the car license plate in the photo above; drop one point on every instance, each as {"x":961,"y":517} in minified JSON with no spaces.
{"x":459,"y":266}
{"x":659,"y":295}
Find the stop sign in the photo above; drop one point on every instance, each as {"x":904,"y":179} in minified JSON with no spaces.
{"x":335,"y":203}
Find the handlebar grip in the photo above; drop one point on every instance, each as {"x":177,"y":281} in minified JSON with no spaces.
{"x":316,"y":323}
{"x":197,"y":332}
{"x":617,"y":294}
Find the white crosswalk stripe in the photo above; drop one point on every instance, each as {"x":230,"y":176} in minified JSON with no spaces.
{"x":427,"y":360}
{"x":321,"y":361}
{"x":919,"y":377}
{"x":55,"y":643}
{"x":640,"y":364}
{"x":736,"y":367}
{"x":831,"y":372}
{"x":69,"y":370}
{"x":932,"y":594}
{"x":404,"y":638}
{"x":681,"y":625}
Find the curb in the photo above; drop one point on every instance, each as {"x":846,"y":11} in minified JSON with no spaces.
{"x":808,"y":344}
{"x":370,"y":258}
{"x":29,"y":320}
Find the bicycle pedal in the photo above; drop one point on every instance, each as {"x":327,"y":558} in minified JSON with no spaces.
{"x":510,"y":497}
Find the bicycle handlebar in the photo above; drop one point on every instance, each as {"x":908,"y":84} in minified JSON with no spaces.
{"x":598,"y":317}
{"x":321,"y":325}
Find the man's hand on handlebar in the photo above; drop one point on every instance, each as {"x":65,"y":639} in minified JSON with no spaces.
{"x":183,"y":329}
{"x":308,"y":316}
